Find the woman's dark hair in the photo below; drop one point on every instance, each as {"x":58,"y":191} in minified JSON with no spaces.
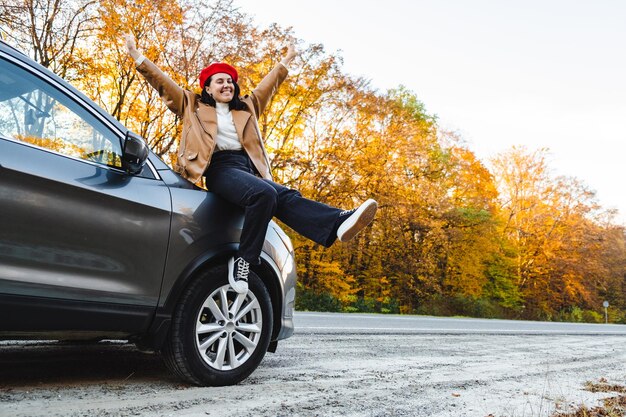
{"x":234,"y":104}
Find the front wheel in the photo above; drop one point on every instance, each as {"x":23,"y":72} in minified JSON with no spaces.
{"x":219,"y":337}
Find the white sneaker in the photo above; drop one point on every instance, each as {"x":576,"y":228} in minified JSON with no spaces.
{"x":238,"y":274}
{"x":361,"y":217}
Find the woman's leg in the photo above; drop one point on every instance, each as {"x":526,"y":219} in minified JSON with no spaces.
{"x":229,"y":178}
{"x":311,"y":219}
{"x":320,"y":222}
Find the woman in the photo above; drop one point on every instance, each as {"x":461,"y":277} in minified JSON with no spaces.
{"x":222,"y":142}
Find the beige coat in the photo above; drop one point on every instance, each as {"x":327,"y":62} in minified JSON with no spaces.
{"x":200,"y":120}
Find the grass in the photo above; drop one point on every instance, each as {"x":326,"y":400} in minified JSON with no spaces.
{"x":614,"y":406}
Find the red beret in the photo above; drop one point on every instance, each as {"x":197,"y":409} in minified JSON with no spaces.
{"x":214,"y":68}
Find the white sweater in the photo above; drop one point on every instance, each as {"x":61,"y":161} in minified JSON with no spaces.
{"x":227,"y":138}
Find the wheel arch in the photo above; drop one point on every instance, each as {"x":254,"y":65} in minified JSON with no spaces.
{"x":267,"y":271}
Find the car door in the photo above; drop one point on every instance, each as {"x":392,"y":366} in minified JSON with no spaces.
{"x":82,"y":244}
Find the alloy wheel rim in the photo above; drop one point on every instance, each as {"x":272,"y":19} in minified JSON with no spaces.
{"x":228,"y":328}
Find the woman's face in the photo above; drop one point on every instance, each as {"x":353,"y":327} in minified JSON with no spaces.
{"x":221,"y":87}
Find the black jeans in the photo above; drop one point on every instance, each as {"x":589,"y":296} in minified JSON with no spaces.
{"x":231,"y":175}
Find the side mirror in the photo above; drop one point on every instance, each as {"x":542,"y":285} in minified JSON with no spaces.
{"x":135,"y":153}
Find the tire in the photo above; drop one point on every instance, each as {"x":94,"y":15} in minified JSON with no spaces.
{"x":219,"y":337}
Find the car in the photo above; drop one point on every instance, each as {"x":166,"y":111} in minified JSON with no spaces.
{"x":100,"y":240}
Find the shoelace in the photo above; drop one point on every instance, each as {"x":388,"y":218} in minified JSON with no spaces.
{"x":346,"y":212}
{"x":243,"y":269}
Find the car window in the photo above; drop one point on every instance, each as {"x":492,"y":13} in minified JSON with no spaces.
{"x":35,"y":112}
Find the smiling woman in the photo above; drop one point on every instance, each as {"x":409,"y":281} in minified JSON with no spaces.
{"x":221,"y":141}
{"x":218,"y":82}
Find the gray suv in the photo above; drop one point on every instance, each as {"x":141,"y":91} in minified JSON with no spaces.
{"x":100,"y":239}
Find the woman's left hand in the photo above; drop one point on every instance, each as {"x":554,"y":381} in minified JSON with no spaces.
{"x":291,"y":54}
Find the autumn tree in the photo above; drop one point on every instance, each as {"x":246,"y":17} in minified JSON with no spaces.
{"x":470,"y":224}
{"x":51,"y":31}
{"x":559,"y":248}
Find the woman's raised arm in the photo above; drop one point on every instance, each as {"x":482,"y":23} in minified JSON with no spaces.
{"x":171,"y":93}
{"x":268,"y":86}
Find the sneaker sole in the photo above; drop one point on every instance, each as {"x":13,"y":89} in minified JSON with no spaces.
{"x":356,"y":225}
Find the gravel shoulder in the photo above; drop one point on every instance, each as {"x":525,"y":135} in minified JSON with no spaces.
{"x":323,"y":374}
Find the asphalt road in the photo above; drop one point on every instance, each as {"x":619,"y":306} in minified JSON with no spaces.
{"x":356,"y":365}
{"x":365,"y":323}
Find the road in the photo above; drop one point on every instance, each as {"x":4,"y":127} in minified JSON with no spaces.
{"x":335,"y":365}
{"x":363,"y":323}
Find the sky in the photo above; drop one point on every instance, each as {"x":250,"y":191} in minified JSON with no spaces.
{"x":540,"y":74}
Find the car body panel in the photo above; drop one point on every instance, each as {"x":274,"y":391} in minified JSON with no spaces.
{"x":74,"y":230}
